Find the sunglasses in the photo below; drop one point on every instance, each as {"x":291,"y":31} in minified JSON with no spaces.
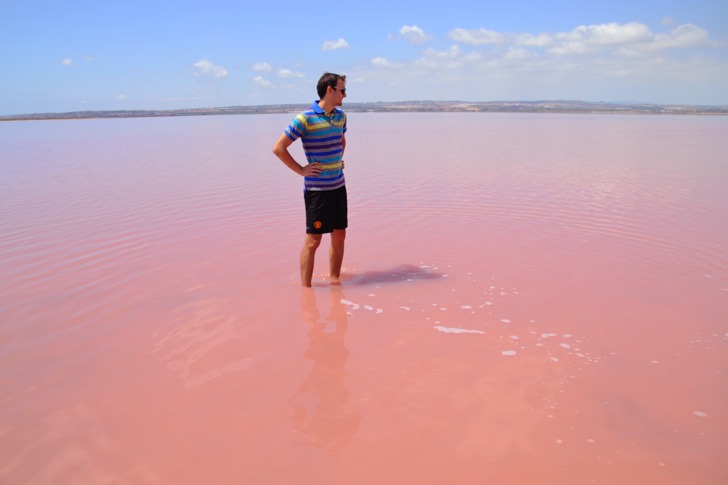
{"x":343,"y":90}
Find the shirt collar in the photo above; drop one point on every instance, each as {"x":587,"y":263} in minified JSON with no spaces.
{"x":318,"y":110}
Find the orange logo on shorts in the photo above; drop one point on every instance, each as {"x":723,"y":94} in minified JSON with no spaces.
{"x":317,"y":224}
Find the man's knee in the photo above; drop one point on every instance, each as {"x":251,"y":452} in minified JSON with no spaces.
{"x":312,"y":242}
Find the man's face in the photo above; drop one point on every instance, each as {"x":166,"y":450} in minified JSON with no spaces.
{"x":339,"y":92}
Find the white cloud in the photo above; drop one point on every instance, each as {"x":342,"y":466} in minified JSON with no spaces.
{"x":121,"y":97}
{"x":286,"y":73}
{"x":261,"y":81}
{"x":607,"y":34}
{"x":413,"y":34}
{"x":540,"y":40}
{"x":606,"y":61}
{"x":565,"y":48}
{"x":631,"y":39}
{"x":262,"y":67}
{"x":451,"y":53}
{"x":518,"y":53}
{"x":587,"y":38}
{"x":381,"y":62}
{"x":332,"y":45}
{"x":477,"y":36}
{"x":683,"y":36}
{"x":448,"y":59}
{"x":427,"y":63}
{"x":207,"y":68}
{"x":67,"y":61}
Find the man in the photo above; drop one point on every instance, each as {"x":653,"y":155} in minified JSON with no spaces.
{"x":321,"y":129}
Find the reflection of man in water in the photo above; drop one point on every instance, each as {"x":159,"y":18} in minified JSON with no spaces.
{"x":320,"y":410}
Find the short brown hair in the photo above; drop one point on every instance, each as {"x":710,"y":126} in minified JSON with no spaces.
{"x":326,"y":80}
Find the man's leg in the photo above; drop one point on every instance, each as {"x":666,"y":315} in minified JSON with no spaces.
{"x":310,"y":244}
{"x":336,"y":254}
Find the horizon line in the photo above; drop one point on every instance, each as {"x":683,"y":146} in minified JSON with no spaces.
{"x":454,"y":105}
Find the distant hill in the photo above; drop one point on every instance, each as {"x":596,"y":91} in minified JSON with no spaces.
{"x":399,"y":107}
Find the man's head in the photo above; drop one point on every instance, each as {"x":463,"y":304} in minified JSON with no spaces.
{"x":331,"y":82}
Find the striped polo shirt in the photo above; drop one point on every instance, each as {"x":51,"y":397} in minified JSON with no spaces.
{"x":321,"y":137}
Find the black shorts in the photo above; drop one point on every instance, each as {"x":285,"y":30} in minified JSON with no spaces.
{"x":326,"y":210}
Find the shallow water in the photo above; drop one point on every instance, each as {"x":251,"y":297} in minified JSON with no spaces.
{"x":527,"y":299}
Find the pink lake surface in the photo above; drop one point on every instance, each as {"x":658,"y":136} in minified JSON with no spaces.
{"x":528,"y":299}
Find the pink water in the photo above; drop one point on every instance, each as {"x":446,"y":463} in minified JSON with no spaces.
{"x":528,"y":299}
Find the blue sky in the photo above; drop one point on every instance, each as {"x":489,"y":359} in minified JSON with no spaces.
{"x":77,"y":55}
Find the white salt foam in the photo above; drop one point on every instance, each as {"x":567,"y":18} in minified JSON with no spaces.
{"x":455,"y":330}
{"x":353,"y":305}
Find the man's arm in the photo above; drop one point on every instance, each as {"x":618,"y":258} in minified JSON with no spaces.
{"x":343,"y":148}
{"x":280,"y":149}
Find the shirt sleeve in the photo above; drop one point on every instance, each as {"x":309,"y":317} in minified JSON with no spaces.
{"x":297,"y":128}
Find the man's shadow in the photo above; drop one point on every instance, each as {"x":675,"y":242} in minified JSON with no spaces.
{"x":321,"y":413}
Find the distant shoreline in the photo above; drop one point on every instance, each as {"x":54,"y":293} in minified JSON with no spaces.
{"x":399,"y":107}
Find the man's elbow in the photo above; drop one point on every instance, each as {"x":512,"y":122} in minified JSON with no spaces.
{"x":279,"y":147}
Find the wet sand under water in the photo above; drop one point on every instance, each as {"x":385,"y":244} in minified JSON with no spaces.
{"x":543,"y":311}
